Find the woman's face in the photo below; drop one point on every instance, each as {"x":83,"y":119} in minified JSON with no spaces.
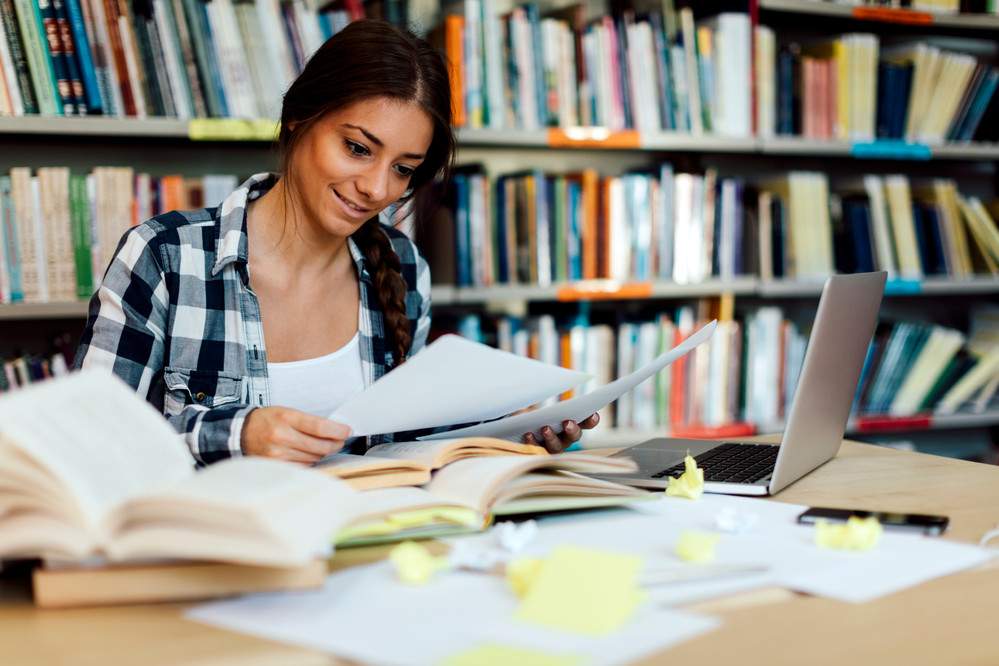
{"x":357,"y":161}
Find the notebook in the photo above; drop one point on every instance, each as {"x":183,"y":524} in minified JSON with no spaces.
{"x":816,"y":420}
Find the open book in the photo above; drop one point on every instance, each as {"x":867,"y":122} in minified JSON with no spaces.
{"x":411,"y":463}
{"x":89,"y":468}
{"x":468,"y":494}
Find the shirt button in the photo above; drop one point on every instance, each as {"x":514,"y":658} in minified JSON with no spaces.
{"x":200,"y":397}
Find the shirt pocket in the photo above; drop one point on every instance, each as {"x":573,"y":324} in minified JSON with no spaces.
{"x":197,"y":387}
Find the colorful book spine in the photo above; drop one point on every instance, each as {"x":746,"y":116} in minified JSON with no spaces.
{"x":29,"y":20}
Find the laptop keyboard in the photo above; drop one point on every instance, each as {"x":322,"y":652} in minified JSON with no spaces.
{"x":731,"y":463}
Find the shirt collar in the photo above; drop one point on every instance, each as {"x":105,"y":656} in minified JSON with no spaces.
{"x":230,"y":220}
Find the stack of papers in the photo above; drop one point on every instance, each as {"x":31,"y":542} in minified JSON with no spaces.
{"x":459,"y":614}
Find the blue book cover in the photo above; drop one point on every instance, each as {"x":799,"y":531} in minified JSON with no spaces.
{"x":84,"y":58}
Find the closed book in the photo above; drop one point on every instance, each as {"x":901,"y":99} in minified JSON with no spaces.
{"x":71,"y":56}
{"x":11,"y":244}
{"x":81,"y":43}
{"x":17,"y":73}
{"x":43,"y":78}
{"x":79,"y":586}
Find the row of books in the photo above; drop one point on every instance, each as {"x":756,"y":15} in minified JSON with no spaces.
{"x":22,"y":368}
{"x":530,"y":68}
{"x":655,"y":71}
{"x":745,"y":374}
{"x":934,"y":6}
{"x":851,"y":89}
{"x":916,"y":367}
{"x":59,"y":230}
{"x":910,"y":230}
{"x":660,"y":224}
{"x":533,"y":227}
{"x":175,"y":58}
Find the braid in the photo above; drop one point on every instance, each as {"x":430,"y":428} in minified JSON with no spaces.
{"x":386,"y":271}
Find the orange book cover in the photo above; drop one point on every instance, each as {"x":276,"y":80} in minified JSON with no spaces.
{"x":565,"y":358}
{"x":454,"y":31}
{"x":591,"y":199}
{"x":678,"y":388}
{"x":172,"y":196}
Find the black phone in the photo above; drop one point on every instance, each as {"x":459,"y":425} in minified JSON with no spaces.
{"x":931,"y":525}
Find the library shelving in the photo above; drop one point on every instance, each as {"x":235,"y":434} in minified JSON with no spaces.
{"x":161,"y":145}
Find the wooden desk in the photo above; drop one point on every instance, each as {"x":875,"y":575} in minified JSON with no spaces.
{"x":948,"y":621}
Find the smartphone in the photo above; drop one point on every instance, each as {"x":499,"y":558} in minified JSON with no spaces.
{"x":931,"y":525}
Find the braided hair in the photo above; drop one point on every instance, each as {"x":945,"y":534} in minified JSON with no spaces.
{"x":369,"y":59}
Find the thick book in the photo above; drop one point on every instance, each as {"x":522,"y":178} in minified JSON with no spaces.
{"x":88,"y":468}
{"x":60,"y":585}
{"x":411,"y":463}
{"x":470,"y":494}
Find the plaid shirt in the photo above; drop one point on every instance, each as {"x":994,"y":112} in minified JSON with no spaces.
{"x":176,"y":318}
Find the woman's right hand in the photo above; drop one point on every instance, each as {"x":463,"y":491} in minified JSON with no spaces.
{"x":289,"y":434}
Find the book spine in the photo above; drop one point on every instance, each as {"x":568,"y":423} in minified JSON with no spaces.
{"x":80,"y":217}
{"x":70,"y":56}
{"x":83,"y":57}
{"x":20,"y":76}
{"x":29,"y":20}
{"x":105,"y":70}
{"x":57,"y":57}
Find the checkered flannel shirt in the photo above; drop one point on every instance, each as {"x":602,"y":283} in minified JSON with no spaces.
{"x":175,"y":317}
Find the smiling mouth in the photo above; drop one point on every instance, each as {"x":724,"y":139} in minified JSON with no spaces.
{"x":350,"y":204}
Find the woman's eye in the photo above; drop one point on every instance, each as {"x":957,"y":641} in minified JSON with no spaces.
{"x":356,"y":148}
{"x":405,"y":171}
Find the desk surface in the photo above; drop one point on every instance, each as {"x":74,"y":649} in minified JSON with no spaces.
{"x":951,"y":620}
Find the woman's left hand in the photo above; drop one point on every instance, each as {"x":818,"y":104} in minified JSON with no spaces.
{"x":571,"y":433}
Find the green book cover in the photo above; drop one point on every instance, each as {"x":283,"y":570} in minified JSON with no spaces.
{"x":79,"y":210}
{"x":11,"y":248}
{"x":29,"y":19}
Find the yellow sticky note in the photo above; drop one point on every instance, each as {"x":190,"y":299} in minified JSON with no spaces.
{"x":855,"y":534}
{"x":583,"y":591}
{"x":696,"y":546}
{"x":414,"y":564}
{"x":690,"y":484}
{"x":492,"y":654}
{"x":521,"y":572}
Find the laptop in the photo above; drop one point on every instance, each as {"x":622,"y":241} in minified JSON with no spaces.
{"x":817,"y":418}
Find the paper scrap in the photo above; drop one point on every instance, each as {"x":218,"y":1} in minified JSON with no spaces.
{"x":414,"y":564}
{"x":584,"y":591}
{"x":514,"y":537}
{"x":492,"y":654}
{"x":464,"y":555}
{"x":855,"y":534}
{"x":732,"y":521}
{"x":690,"y":484}
{"x":988,"y":536}
{"x":694,"y":546}
{"x":521,"y":572}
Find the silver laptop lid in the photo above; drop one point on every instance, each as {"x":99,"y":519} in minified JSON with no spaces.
{"x":830,"y":373}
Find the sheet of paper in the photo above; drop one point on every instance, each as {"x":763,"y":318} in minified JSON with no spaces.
{"x":578,"y":408}
{"x":363,"y":613}
{"x":453,"y":380}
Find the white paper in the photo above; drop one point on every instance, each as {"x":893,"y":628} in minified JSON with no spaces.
{"x":365,"y":614}
{"x":453,"y":380}
{"x":776,"y":541}
{"x":580,"y":407}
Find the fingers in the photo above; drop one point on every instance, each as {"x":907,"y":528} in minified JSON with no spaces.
{"x":288,"y":434}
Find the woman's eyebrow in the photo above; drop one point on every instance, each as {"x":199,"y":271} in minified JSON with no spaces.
{"x":378,"y":142}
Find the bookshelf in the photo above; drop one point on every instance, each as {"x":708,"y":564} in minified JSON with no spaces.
{"x":172,"y":145}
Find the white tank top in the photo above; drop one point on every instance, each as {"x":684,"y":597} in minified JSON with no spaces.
{"x":318,"y":385}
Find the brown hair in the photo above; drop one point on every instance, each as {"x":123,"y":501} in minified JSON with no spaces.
{"x":369,"y":59}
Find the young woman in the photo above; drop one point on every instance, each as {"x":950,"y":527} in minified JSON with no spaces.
{"x":248,"y":323}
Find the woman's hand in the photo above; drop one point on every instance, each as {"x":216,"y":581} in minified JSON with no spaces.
{"x":288,"y":434}
{"x":571,"y":433}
